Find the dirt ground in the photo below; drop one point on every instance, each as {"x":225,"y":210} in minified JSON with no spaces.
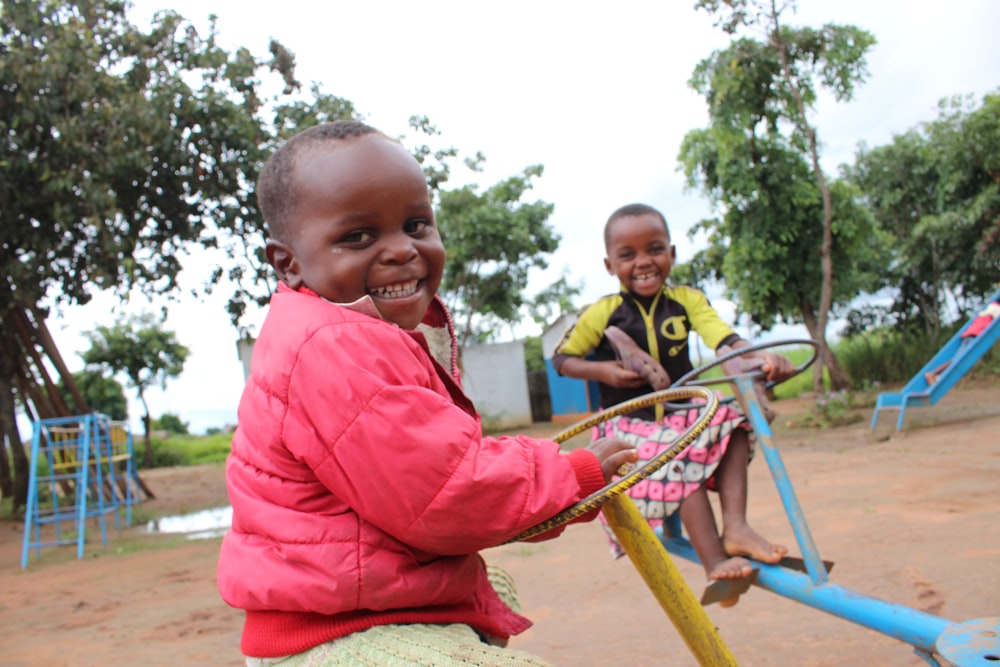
{"x":911,"y":518}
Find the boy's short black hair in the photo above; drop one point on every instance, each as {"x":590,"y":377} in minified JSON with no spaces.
{"x":631,"y":210}
{"x":275,"y":195}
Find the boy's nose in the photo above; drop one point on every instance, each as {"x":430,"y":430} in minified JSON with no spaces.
{"x":398,"y":249}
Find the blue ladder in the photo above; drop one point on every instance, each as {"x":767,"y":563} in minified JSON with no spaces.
{"x":917,"y":392}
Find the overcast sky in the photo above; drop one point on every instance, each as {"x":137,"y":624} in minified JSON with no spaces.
{"x":595,"y":92}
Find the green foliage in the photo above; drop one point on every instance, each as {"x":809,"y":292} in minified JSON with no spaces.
{"x":782,"y":227}
{"x":892,"y":356}
{"x":877,"y":360}
{"x":801,"y":382}
{"x":170,"y":423}
{"x":754,"y":166}
{"x":124,"y":145}
{"x":140,"y":347}
{"x":164,"y":456}
{"x":553,"y":301}
{"x":833,"y":408}
{"x":765,"y":246}
{"x":493,"y":241}
{"x":205,"y":449}
{"x":844,"y":407}
{"x":103,"y":394}
{"x":186,"y":450}
{"x":534,"y":357}
{"x":935,"y":190}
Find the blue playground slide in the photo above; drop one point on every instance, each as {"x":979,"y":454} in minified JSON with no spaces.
{"x":917,"y":392}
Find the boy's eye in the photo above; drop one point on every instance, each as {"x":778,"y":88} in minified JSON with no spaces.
{"x":416,"y":225}
{"x":358,"y":237}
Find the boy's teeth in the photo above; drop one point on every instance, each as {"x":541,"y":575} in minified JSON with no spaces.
{"x":397,"y":290}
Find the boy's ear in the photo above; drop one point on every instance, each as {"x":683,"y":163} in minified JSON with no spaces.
{"x":282,"y":258}
{"x":607,"y":265}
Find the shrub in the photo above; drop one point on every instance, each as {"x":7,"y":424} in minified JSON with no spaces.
{"x":170,"y":423}
{"x":190,"y":450}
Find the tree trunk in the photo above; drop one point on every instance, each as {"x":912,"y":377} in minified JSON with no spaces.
{"x":838,"y":378}
{"x":27,"y":332}
{"x":825,"y":356}
{"x":15,"y":473}
{"x":147,"y":459}
{"x":25,"y":380}
{"x":52,"y":352}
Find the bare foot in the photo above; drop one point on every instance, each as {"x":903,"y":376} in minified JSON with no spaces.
{"x":930,"y":377}
{"x":731,"y":568}
{"x":734,"y":567}
{"x":746,"y":542}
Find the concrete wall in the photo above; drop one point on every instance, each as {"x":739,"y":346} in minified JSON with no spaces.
{"x":494,"y":378}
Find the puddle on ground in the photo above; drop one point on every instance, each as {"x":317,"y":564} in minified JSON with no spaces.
{"x":195,"y":526}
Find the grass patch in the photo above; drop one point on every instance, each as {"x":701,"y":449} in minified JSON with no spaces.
{"x":186,"y":450}
{"x":802,"y":382}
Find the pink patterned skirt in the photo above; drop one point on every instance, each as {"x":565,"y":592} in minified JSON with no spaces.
{"x":659,"y":495}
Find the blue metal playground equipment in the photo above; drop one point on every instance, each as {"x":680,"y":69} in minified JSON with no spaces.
{"x":938,"y":641}
{"x":806,"y":580}
{"x":82,"y":468}
{"x":917,"y":392}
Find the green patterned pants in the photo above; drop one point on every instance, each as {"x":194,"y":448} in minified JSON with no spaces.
{"x":454,"y":645}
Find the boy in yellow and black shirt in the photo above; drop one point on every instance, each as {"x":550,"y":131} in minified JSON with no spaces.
{"x":661,"y":325}
{"x":659,"y":319}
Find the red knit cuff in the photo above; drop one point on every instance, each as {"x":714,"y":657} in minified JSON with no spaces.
{"x":588,"y":470}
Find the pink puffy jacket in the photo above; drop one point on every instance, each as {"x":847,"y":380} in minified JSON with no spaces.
{"x":362,"y":486}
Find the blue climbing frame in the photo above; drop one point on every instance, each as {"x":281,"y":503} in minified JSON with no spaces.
{"x":81,"y":468}
{"x":918,"y":392}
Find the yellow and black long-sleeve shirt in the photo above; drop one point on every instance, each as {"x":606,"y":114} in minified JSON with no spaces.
{"x":661,"y":326}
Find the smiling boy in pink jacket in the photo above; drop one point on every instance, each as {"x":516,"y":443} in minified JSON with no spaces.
{"x":361,"y":482}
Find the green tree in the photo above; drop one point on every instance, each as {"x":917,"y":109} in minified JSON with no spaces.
{"x":122,"y":148}
{"x":759,"y":160}
{"x":764,"y":247}
{"x":534,"y":355}
{"x":144,"y":351}
{"x":493,"y":241}
{"x":936,"y":190}
{"x":170,"y":423}
{"x":103,"y":394}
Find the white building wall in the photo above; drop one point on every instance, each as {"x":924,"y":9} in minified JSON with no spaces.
{"x":494,"y":378}
{"x":244,"y":349}
{"x":553,"y":334}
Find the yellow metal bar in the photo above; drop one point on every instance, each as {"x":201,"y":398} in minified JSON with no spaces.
{"x":666,"y":583}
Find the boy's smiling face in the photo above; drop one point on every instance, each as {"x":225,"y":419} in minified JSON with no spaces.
{"x":363,"y":224}
{"x":639,"y":253}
